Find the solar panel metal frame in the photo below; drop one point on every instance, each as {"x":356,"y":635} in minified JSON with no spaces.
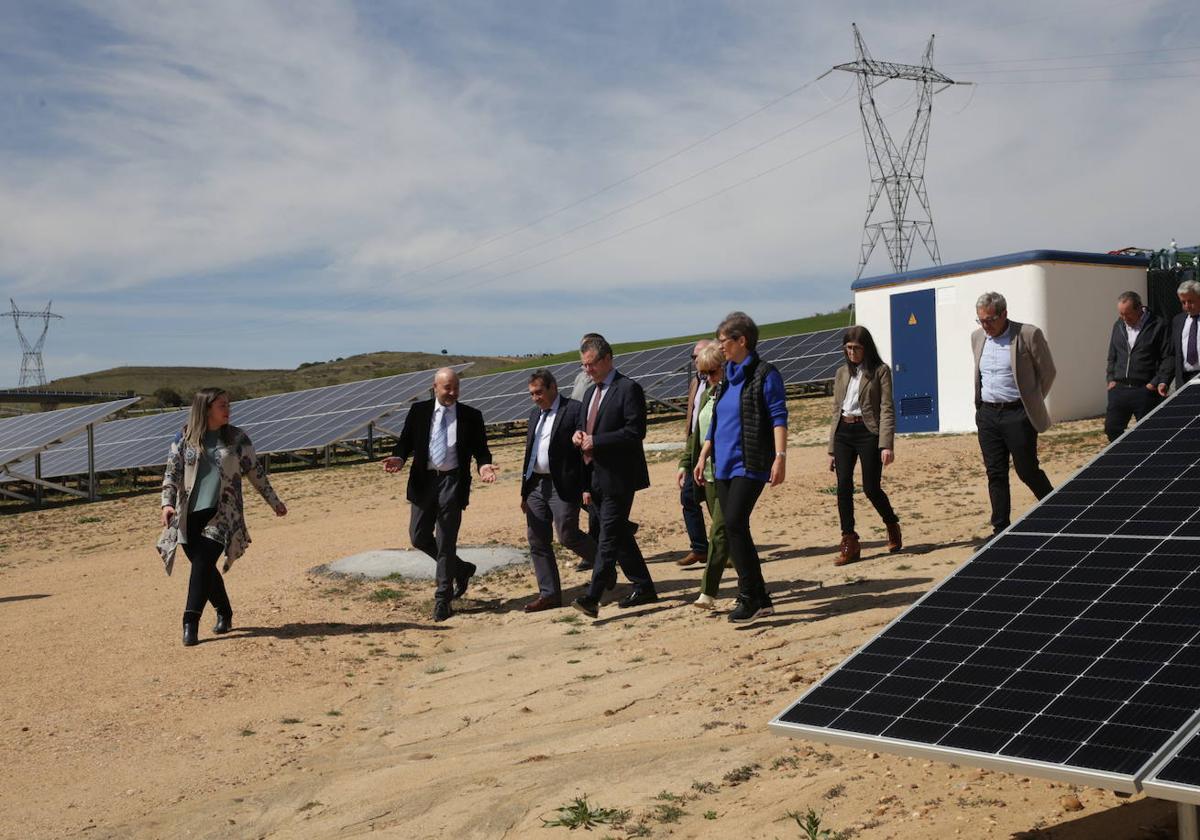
{"x":34,"y":444}
{"x":1121,"y":782}
{"x":1175,"y":791}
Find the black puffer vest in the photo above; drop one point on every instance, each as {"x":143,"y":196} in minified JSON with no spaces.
{"x":758,"y":435}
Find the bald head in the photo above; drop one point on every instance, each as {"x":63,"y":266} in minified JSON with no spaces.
{"x":700,"y":345}
{"x":445,"y":386}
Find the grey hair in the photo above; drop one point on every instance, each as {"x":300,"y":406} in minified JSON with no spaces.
{"x":597,"y":344}
{"x":739,"y":324}
{"x":993,"y":301}
{"x":543,"y":376}
{"x":1189,"y":287}
{"x":1130,"y":297}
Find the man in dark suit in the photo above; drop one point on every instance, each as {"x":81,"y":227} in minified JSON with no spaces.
{"x":441,"y":436}
{"x":1139,"y":364}
{"x":609,"y":435}
{"x":552,"y":487}
{"x":1185,"y":339}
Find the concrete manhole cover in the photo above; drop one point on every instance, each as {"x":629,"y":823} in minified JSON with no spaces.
{"x":417,"y":565}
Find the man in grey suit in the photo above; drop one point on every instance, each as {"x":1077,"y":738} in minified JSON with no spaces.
{"x":1013,"y":374}
{"x":552,"y":487}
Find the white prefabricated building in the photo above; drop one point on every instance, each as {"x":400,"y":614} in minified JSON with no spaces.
{"x":922,"y":323}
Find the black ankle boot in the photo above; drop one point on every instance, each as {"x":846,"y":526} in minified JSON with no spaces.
{"x":224,"y":623}
{"x":191,"y":629}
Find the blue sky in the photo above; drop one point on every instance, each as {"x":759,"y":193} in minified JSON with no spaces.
{"x":259,"y":184}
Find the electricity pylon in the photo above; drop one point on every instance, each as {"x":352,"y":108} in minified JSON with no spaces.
{"x":897,"y":169}
{"x":32,"y":371}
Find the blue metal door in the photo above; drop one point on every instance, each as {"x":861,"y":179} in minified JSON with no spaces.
{"x":914,"y":361}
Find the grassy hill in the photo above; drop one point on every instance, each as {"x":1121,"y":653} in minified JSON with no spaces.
{"x":147,"y":381}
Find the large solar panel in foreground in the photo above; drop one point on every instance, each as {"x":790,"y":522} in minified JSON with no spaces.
{"x":28,"y":434}
{"x":1068,"y":647}
{"x":1178,"y":776}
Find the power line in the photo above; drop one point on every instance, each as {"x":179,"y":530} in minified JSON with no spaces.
{"x":1067,"y":57}
{"x":1088,"y":66}
{"x":1093,"y":80}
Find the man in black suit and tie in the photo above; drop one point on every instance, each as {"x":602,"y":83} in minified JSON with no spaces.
{"x":1185,"y":342}
{"x":441,"y":436}
{"x":609,"y":434}
{"x":552,"y":486}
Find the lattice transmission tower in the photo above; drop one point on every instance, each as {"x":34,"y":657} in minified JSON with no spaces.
{"x":32,"y":371}
{"x":897,"y":169}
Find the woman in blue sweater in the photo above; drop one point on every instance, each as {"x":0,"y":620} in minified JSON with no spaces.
{"x":747,"y":440}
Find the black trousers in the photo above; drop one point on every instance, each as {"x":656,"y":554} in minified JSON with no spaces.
{"x":693,"y":515}
{"x":433,"y":528}
{"x":1006,"y":432}
{"x":205,"y":584}
{"x":738,"y":497}
{"x":854,"y":442}
{"x":1124,"y":402}
{"x":616,"y":545}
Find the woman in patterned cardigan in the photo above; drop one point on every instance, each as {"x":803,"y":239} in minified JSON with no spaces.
{"x":202,"y":504}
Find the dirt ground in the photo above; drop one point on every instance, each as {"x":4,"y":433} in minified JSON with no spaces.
{"x":337,"y":708}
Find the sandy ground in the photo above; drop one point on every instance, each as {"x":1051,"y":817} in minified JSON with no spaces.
{"x":338,"y":709}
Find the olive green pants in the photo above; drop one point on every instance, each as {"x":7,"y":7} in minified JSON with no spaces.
{"x":718,"y":546}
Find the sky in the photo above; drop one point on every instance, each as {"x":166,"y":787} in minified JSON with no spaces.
{"x":259,"y":184}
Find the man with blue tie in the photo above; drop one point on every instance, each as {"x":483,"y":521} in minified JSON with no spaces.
{"x":552,"y":487}
{"x":441,"y":436}
{"x":1185,"y":334}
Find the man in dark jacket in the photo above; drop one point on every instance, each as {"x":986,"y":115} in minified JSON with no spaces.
{"x":1139,"y":362}
{"x":552,"y":486}
{"x":609,"y":435}
{"x":1185,"y":334}
{"x":441,"y":436}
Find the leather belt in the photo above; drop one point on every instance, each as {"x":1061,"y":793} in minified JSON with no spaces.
{"x":1005,"y":405}
{"x":852,"y":418}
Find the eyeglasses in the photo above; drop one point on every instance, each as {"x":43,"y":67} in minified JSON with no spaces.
{"x":989,"y":320}
{"x":708,"y":372}
{"x":726,"y":338}
{"x":854,"y":348}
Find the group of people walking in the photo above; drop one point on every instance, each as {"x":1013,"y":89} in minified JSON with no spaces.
{"x":587,"y":455}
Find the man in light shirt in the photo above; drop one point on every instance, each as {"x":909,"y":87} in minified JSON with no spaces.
{"x":1139,"y":364}
{"x":1013,"y":374}
{"x":441,"y":436}
{"x":552,"y":487}
{"x":1185,"y":333}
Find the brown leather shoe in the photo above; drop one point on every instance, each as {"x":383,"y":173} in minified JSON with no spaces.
{"x":544,"y":602}
{"x":692,"y":558}
{"x":849,"y":551}
{"x":895,"y":541}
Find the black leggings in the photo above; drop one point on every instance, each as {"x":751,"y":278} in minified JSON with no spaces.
{"x":205,"y":584}
{"x":738,"y":497}
{"x":855,"y":442}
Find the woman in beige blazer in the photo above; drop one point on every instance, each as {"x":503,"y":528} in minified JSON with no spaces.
{"x":863,"y":428}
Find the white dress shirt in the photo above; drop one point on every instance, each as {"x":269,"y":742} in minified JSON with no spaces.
{"x":1131,"y":333}
{"x":850,"y":406}
{"x":451,"y":412}
{"x":541,"y":446}
{"x":997,"y":379}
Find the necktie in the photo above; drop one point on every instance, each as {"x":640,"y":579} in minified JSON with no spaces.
{"x":1192,"y":356}
{"x":438,"y":440}
{"x":591,"y":418}
{"x":537,"y":437}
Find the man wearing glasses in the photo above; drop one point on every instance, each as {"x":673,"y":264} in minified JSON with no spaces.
{"x":1013,"y":375}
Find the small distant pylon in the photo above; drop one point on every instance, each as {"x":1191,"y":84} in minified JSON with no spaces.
{"x":896,"y":169}
{"x":32,"y":370}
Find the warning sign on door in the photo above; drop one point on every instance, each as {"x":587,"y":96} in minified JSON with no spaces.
{"x":912,"y":319}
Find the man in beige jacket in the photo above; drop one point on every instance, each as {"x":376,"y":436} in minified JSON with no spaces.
{"x":1013,"y":375}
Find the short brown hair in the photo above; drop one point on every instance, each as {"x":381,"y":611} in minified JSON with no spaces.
{"x":544,"y":376}
{"x":596,"y":343}
{"x":738,"y":324}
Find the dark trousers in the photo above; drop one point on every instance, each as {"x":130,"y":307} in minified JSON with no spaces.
{"x":616,"y":546}
{"x":433,"y":529}
{"x":693,"y":515}
{"x":545,"y":514}
{"x":205,"y":584}
{"x":1006,"y":432}
{"x":854,"y":442}
{"x":738,"y":497}
{"x":1124,"y":402}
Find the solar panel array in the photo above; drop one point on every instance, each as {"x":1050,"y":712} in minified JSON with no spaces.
{"x":306,"y":419}
{"x":28,"y":434}
{"x":1069,"y":646}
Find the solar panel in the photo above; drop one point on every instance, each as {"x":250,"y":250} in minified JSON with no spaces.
{"x":1069,"y":646}
{"x":1178,"y":775}
{"x":28,"y":434}
{"x":306,"y":419}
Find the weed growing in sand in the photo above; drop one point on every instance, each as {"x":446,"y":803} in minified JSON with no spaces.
{"x":704,"y":787}
{"x":834,"y":792}
{"x":574,"y":661}
{"x":579,"y":813}
{"x":810,"y":825}
{"x":89,"y":520}
{"x":291,"y":720}
{"x":667,"y":796}
{"x":638,"y":659}
{"x":435,"y":669}
{"x":791,"y":762}
{"x":667,"y":812}
{"x":308,"y":806}
{"x":333,"y":713}
{"x":981,"y":802}
{"x":385,"y":593}
{"x":569,"y":618}
{"x":741,"y":774}
{"x":515,"y":656}
{"x":574,"y":631}
{"x":710,"y":815}
{"x":408,"y":654}
{"x":246,"y":733}
{"x":903,"y":567}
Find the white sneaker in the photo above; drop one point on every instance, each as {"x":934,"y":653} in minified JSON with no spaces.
{"x":705,"y":602}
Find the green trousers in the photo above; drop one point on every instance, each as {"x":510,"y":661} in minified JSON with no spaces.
{"x":718,"y":546}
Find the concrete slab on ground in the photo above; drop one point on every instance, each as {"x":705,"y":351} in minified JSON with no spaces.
{"x":417,"y":565}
